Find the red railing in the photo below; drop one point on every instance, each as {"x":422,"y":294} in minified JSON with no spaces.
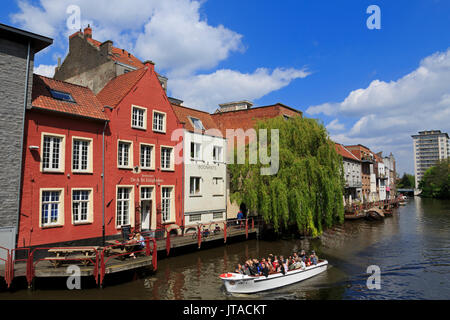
{"x":7,"y":261}
{"x":14,"y":260}
{"x":147,"y":250}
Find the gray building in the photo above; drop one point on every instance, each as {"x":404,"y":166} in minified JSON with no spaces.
{"x":429,"y":147}
{"x":17,"y":50}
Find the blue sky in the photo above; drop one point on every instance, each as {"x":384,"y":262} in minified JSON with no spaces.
{"x":374,"y":87}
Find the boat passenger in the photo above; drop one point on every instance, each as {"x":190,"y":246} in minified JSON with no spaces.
{"x":291,"y":265}
{"x":265,"y":270}
{"x":313,"y":257}
{"x":303,"y":255}
{"x":239,"y":269}
{"x":247,"y":270}
{"x":307,"y":261}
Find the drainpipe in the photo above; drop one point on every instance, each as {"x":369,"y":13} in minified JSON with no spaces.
{"x":25,"y":102}
{"x":103,"y":183}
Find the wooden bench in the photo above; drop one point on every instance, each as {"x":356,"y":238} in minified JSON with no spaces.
{"x":83,"y":259}
{"x":83,"y":255}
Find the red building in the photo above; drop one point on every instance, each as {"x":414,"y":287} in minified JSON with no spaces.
{"x":144,"y":182}
{"x":62,"y":165}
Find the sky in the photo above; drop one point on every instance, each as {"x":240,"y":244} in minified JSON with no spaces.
{"x":374,"y":87}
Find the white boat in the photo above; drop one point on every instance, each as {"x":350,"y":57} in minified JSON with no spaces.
{"x":239,"y":283}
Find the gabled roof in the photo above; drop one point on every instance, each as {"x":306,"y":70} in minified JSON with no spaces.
{"x":184,"y":115}
{"x":85,"y":103}
{"x":118,"y":87}
{"x":344,"y":152}
{"x":121,"y":55}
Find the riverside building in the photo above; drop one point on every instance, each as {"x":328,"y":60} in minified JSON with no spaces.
{"x":429,"y":147}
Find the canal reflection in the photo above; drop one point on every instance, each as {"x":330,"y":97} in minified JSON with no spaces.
{"x":412,"y":249}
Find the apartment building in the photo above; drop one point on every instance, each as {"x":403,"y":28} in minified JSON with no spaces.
{"x":429,"y":147}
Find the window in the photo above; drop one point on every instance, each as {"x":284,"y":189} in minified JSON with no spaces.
{"x":146,"y":193}
{"x":159,"y":121}
{"x":59,"y":95}
{"x":166,"y":158}
{"x":218,"y":215}
{"x":197,"y":123}
{"x":123,"y":206}
{"x":52,"y":153}
{"x":194,"y":186}
{"x":146,"y":156}
{"x":138,"y":118}
{"x":81,"y":206}
{"x":124,"y":154}
{"x":195,"y":217}
{"x":195,"y":151}
{"x":166,"y":203}
{"x":217,"y":154}
{"x":218,"y":186}
{"x":52,"y":209}
{"x":81,"y":155}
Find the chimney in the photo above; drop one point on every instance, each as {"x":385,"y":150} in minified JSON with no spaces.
{"x":106,"y":47}
{"x":236,"y":105}
{"x":88,"y":32}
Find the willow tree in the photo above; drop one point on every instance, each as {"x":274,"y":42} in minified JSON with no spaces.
{"x":307,"y":189}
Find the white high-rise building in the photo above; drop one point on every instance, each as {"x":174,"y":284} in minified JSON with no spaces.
{"x":429,"y":147}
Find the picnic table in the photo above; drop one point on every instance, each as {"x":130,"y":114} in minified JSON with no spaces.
{"x":84,"y":255}
{"x":120,"y":248}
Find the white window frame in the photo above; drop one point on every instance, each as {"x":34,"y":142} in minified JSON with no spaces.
{"x":152,"y":156}
{"x":163,"y":130}
{"x":171,"y":217}
{"x":199,"y":193}
{"x":130,"y":154}
{"x":62,"y":152}
{"x":218,"y":188}
{"x":144,"y":118}
{"x":131,"y":209}
{"x":172,"y":160}
{"x":220,"y":157}
{"x":197,"y":151}
{"x":60,"y":218}
{"x":197,"y":217}
{"x":89,"y":155}
{"x":89,"y":216}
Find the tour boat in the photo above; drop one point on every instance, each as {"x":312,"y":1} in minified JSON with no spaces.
{"x":239,"y":283}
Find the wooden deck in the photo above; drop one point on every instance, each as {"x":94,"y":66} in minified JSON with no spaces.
{"x":45,"y":269}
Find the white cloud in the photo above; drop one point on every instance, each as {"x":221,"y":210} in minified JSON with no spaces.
{"x":389,"y":113}
{"x":335,"y":125}
{"x":45,"y":70}
{"x":179,"y":41}
{"x":206,"y":91}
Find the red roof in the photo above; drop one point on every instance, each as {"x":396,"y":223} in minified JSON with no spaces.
{"x":184,"y":113}
{"x":85,"y":105}
{"x":344,"y":152}
{"x":121,"y":55}
{"x":117,"y":88}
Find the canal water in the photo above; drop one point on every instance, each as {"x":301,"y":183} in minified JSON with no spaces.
{"x":411,"y":248}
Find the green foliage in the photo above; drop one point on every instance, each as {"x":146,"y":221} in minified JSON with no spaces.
{"x":406,"y":182}
{"x":308,"y":187}
{"x":436,"y":181}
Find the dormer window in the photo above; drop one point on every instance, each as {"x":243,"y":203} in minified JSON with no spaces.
{"x":197,"y":123}
{"x":59,"y":95}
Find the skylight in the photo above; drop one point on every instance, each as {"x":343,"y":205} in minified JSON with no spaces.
{"x":62,"y":95}
{"x":197,"y":123}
